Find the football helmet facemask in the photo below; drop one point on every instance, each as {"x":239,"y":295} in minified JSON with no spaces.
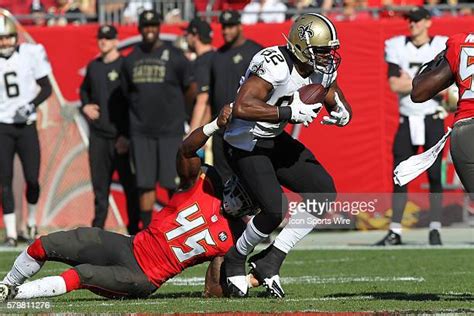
{"x":9,"y":36}
{"x":236,"y":201}
{"x":313,"y":40}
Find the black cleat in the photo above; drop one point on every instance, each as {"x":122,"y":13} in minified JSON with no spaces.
{"x":265,"y":267}
{"x":7,"y":292}
{"x":10,"y":242}
{"x":29,"y":236}
{"x":391,"y":239}
{"x":234,"y":267}
{"x":435,"y":238}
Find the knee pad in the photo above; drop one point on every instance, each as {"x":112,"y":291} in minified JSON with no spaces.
{"x":7,"y":199}
{"x":32,"y":192}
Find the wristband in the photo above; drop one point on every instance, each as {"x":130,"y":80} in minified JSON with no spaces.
{"x":210,"y":128}
{"x":284,"y":113}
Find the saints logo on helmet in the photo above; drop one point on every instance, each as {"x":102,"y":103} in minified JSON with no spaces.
{"x":8,"y":36}
{"x":313,"y":40}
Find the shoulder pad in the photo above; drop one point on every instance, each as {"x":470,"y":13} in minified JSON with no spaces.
{"x":270,"y":65}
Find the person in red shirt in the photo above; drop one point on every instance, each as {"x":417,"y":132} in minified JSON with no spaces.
{"x":454,"y":65}
{"x":195,"y":227}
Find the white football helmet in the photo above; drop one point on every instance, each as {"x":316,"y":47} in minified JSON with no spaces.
{"x":9,"y":34}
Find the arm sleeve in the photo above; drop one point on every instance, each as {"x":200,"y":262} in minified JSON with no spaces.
{"x":85,"y":89}
{"x":123,"y":124}
{"x":393,"y":70}
{"x":202,"y":76}
{"x":42,"y":66}
{"x":391,"y":53}
{"x":452,"y":54}
{"x":271,"y":66}
{"x":184,"y":71}
{"x":125,"y":81}
{"x":45,"y":91}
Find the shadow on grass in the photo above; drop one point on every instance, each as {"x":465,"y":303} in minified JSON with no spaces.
{"x":400,"y":296}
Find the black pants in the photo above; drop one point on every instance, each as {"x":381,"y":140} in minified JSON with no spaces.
{"x":21,"y":139}
{"x":402,"y":150}
{"x":104,"y":261}
{"x":281,"y":161}
{"x":219,"y":158}
{"x":462,"y":151}
{"x":104,"y":159}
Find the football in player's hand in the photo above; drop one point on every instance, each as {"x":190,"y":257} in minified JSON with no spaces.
{"x":312,"y":93}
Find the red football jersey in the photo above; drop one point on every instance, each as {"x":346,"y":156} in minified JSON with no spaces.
{"x":189,"y":231}
{"x":460,"y":56}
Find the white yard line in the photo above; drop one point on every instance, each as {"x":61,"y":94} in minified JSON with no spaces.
{"x":308,"y":279}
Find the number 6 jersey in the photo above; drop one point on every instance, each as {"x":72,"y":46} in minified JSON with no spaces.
{"x":460,"y":56}
{"x":18,"y":75}
{"x":188,"y":231}
{"x":274,"y":65}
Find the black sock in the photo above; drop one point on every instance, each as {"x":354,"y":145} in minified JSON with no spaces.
{"x":146,"y":218}
{"x":234,"y":263}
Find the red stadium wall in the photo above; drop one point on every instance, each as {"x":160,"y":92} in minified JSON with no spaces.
{"x":358,"y":156}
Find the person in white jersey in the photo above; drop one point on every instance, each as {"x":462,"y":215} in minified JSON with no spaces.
{"x":265,"y":157}
{"x":420,"y":124}
{"x":24,"y":84}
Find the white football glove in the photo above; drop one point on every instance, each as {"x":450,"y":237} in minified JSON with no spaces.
{"x":440,"y":113}
{"x":339,"y":117}
{"x":301,"y":112}
{"x":25,"y":111}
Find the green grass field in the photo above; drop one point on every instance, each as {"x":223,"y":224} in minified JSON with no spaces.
{"x":429,"y":280}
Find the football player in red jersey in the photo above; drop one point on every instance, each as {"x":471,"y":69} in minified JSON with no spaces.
{"x":190,"y":230}
{"x":454,"y":65}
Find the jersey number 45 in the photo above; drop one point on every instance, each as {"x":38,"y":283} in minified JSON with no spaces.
{"x":193,"y":241}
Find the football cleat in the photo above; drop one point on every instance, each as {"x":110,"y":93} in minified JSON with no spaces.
{"x":10,"y":242}
{"x":7,"y":292}
{"x":237,"y":286}
{"x":234,"y":269}
{"x":391,"y":239}
{"x":435,"y":238}
{"x":272,"y":284}
{"x":29,"y":236}
{"x":265,"y":267}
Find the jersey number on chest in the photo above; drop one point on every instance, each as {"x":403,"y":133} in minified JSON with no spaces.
{"x":195,"y":240}
{"x":11,"y":87}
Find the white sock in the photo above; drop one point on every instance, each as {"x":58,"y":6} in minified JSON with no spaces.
{"x":396,"y":228}
{"x":10,"y":225}
{"x":299,"y":225}
{"x":23,"y":268}
{"x":31,"y":215}
{"x":249,"y":239}
{"x":44,"y":287}
{"x":435,"y":225}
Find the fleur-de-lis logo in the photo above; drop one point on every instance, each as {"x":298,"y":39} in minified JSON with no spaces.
{"x":258,"y":69}
{"x":305,"y":31}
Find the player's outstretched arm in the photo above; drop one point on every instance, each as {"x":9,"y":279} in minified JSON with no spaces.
{"x":432,"y":78}
{"x":250,"y":103}
{"x":188,"y":163}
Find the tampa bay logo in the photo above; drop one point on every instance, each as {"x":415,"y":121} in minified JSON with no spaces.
{"x":305,"y":31}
